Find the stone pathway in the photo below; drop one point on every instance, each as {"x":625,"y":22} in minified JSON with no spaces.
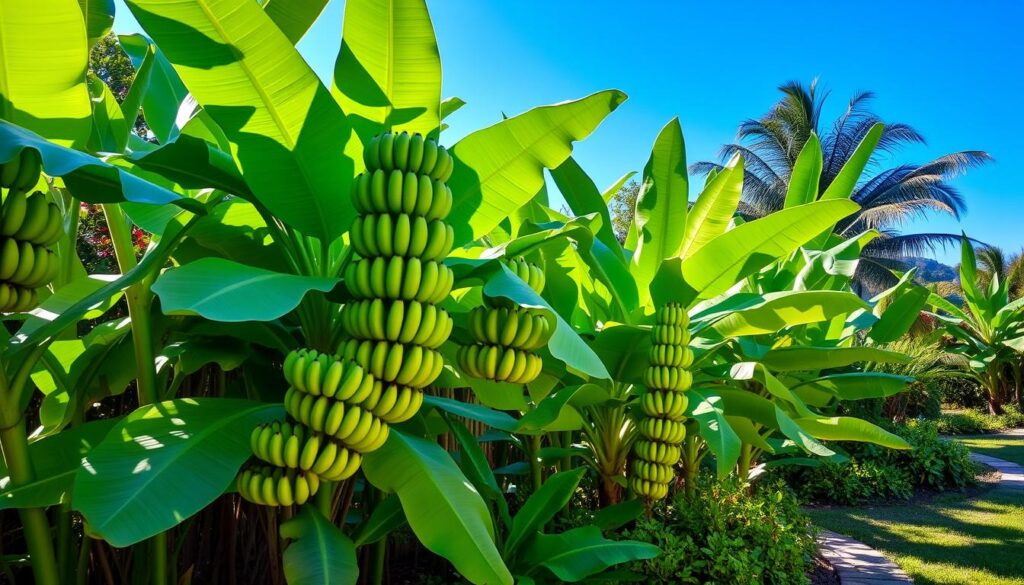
{"x":1012,"y":475}
{"x":859,"y":564}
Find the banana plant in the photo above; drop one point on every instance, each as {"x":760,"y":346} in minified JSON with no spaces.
{"x":260,"y":236}
{"x":691,"y":267}
{"x":988,"y":328}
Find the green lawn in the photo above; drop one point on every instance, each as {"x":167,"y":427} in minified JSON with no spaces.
{"x":951,"y":539}
{"x":1002,"y":446}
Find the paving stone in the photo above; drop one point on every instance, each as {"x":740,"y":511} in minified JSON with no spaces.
{"x":858,"y":563}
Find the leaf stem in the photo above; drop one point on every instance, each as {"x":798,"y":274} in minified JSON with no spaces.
{"x":36,"y":526}
{"x":140,"y":300}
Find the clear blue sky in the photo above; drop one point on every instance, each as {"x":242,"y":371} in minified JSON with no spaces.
{"x":950,"y":69}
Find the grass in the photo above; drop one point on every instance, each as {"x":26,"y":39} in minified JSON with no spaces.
{"x":951,"y":539}
{"x":1001,"y":446}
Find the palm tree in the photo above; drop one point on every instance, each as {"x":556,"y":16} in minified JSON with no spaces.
{"x":888,"y":199}
{"x":1010,"y":269}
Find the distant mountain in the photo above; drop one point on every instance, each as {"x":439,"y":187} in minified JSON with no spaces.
{"x":929,"y":270}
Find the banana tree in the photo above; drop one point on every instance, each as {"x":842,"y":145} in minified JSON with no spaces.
{"x":702,"y":262}
{"x":988,"y":328}
{"x":259,"y":237}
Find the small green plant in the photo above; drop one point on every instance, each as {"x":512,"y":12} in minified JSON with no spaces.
{"x":725,"y":534}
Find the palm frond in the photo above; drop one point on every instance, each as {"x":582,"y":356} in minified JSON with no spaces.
{"x":894,"y":246}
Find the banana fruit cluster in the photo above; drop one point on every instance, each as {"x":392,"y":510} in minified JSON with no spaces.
{"x":395,"y":326}
{"x":336,"y":413}
{"x":664,"y":402}
{"x":29,"y":226}
{"x":507,"y":336}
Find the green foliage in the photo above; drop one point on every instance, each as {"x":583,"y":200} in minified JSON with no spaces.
{"x":726,"y":535}
{"x":973,"y":422}
{"x":876,"y":474}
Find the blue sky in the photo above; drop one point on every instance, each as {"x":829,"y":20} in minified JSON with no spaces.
{"x":949,"y":69}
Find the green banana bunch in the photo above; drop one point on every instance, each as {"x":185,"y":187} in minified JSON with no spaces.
{"x":528,"y":272}
{"x":29,"y":225}
{"x":396,"y":192}
{"x":355,"y":427}
{"x":407,"y":322}
{"x":321,"y":374}
{"x":507,"y":335}
{"x":283,"y":444}
{"x":502,"y":364}
{"x":511,"y":327}
{"x":410,"y":236}
{"x":407,"y":365}
{"x":16,"y":299}
{"x":335,"y":413}
{"x":22,"y":173}
{"x":398,"y":278}
{"x":269,"y":485}
{"x":409,"y":153}
{"x":395,"y":325}
{"x":663,"y":403}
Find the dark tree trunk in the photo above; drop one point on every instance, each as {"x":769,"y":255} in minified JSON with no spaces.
{"x":609,"y":493}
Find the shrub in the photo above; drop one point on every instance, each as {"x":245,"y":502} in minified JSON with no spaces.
{"x":875,"y":473}
{"x":852,"y":482}
{"x":974,"y":422}
{"x":727,"y":535}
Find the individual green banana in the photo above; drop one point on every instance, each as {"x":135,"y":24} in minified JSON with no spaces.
{"x":36,"y":216}
{"x":14,"y":209}
{"x":29,"y":169}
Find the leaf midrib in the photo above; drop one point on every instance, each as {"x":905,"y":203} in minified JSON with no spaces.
{"x":271,"y":110}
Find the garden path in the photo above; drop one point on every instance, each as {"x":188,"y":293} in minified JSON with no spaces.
{"x":859,"y":564}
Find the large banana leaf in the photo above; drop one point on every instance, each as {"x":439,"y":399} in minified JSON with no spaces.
{"x":900,"y":315}
{"x":661,"y":205}
{"x":163,"y":463}
{"x":582,"y":196}
{"x":99,"y":18}
{"x":447,"y":514}
{"x":160,"y":91}
{"x":541,"y":507}
{"x":320,"y":553}
{"x":56,"y":460}
{"x":803,"y":182}
{"x":294,"y":17}
{"x":109,"y":128}
{"x":846,"y":180}
{"x":858,"y":385}
{"x":500,"y":168}
{"x":846,"y":428}
{"x":744,"y":250}
{"x":763,"y":411}
{"x":707,"y":409}
{"x":286,"y":131}
{"x":787,"y":359}
{"x":223,"y":290}
{"x":789,"y":309}
{"x":581,"y":552}
{"x":388,"y":73}
{"x":714,"y":207}
{"x":43,"y":57}
{"x":88,"y":177}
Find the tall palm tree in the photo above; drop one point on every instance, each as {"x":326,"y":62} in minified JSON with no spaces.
{"x":888,"y":199}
